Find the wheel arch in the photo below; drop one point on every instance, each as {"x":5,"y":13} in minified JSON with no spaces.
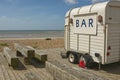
{"x":75,"y":53}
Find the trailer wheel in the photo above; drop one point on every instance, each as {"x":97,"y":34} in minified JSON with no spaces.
{"x":72,"y":58}
{"x":87,"y":61}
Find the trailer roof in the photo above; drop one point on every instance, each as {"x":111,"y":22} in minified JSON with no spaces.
{"x":98,"y":7}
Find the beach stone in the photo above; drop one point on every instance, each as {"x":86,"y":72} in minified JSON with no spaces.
{"x":48,"y":39}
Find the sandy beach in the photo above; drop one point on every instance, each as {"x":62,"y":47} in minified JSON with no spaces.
{"x":38,"y":43}
{"x":53,"y":48}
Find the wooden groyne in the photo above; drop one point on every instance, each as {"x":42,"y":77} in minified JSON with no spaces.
{"x":64,"y":72}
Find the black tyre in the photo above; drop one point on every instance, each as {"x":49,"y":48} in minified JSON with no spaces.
{"x":72,"y":58}
{"x":88,"y":61}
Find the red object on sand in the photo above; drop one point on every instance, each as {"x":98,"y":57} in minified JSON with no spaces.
{"x":82,"y":64}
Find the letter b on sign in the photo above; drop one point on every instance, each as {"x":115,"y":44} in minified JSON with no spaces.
{"x":77,"y":23}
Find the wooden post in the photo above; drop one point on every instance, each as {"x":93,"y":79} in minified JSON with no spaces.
{"x":26,"y":52}
{"x":11,"y":57}
{"x":39,"y":55}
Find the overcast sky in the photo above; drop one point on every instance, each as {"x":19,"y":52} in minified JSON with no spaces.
{"x":36,"y":14}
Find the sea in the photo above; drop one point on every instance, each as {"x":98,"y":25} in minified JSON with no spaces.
{"x":31,"y":33}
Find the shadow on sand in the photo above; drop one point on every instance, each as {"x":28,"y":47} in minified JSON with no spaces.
{"x":21,"y":66}
{"x":37,"y":64}
{"x":113,"y":68}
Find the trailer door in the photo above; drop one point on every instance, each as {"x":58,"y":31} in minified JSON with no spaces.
{"x":114,"y":14}
{"x":113,"y":47}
